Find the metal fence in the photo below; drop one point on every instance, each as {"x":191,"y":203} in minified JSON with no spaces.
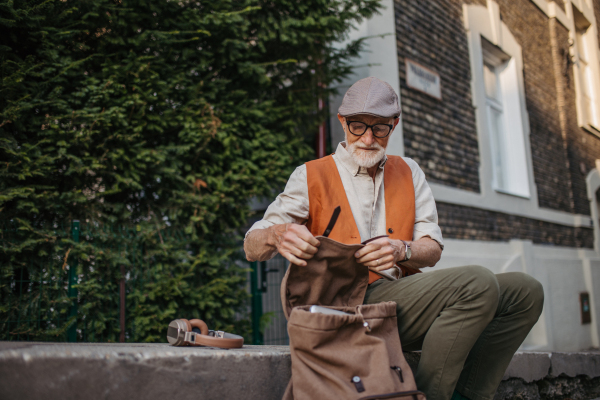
{"x":40,"y":301}
{"x":267,"y":313}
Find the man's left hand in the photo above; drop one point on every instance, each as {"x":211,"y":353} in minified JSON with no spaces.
{"x":381,"y":254}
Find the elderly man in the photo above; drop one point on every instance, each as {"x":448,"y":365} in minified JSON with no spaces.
{"x":467,"y":321}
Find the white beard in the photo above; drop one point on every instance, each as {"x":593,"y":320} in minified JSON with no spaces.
{"x":365,"y":158}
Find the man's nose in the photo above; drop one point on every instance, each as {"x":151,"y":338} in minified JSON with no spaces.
{"x":368,"y":138}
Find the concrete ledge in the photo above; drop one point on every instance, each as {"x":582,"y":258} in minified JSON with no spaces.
{"x":141,"y":371}
{"x":535,"y":366}
{"x":158,"y":371}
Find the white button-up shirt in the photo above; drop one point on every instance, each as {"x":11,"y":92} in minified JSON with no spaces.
{"x":365,"y":195}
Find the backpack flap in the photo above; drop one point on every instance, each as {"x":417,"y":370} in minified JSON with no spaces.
{"x":331,"y":278}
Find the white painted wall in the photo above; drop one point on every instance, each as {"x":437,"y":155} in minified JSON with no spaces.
{"x":564,"y":273}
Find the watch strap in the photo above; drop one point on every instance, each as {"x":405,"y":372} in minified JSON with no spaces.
{"x":406,"y":247}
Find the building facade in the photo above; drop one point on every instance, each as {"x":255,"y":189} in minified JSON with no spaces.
{"x":501,"y":109}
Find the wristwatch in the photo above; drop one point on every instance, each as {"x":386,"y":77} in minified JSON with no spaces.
{"x":407,"y":251}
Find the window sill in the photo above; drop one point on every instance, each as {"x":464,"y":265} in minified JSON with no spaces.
{"x":590,"y":129}
{"x":521,"y":196}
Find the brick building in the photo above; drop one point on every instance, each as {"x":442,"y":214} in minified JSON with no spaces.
{"x":501,"y":109}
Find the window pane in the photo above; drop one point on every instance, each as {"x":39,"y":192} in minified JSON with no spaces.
{"x":491,"y":81}
{"x":588,"y":97}
{"x":581,"y":47}
{"x":497,"y":143}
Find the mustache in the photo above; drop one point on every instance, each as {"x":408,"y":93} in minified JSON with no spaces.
{"x":374,"y":146}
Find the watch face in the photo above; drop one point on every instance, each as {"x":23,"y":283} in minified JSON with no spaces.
{"x":408,"y":253}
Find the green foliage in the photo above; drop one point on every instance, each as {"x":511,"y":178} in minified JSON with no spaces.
{"x":161,"y":117}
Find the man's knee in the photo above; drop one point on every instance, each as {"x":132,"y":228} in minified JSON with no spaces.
{"x":480,"y":279}
{"x":534,"y":289}
{"x":529,"y":291}
{"x":481,"y":284}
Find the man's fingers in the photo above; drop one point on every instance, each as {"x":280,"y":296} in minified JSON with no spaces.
{"x":381,"y":263}
{"x":296,"y":246}
{"x":291,"y":240}
{"x":303,"y":233}
{"x":375,"y":255}
{"x":310,"y":239}
{"x":382,"y":267}
{"x":299,"y":236}
{"x":305,"y":246}
{"x":376,"y":261}
{"x":293,"y":259}
{"x":371,"y":247}
{"x":299,"y":253}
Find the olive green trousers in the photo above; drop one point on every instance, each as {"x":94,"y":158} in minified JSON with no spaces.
{"x":468,"y":323}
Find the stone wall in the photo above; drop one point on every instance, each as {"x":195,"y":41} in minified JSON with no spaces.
{"x":577,"y":388}
{"x":537,"y":376}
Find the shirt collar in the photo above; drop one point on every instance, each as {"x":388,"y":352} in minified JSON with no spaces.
{"x":348,"y":162}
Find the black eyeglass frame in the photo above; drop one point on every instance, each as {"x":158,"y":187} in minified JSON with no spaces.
{"x":369,"y":126}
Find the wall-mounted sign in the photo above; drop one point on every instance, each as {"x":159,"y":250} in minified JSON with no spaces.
{"x":423,"y":79}
{"x":586,"y":313}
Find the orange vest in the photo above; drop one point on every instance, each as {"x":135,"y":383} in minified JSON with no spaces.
{"x":326,"y":192}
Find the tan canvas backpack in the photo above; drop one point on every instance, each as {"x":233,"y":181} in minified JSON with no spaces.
{"x":356,"y":356}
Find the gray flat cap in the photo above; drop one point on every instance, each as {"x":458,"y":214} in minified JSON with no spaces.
{"x":370,"y":96}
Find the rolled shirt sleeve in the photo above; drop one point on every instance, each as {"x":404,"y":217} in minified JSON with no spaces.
{"x":426,"y":217}
{"x":291,"y":206}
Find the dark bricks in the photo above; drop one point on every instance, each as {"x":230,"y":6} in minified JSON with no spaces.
{"x":439,"y":135}
{"x":468,"y":223}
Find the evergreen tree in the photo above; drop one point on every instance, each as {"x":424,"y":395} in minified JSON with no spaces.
{"x":154,"y":123}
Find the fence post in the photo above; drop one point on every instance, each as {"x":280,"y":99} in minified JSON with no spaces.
{"x":72,"y":292}
{"x":122,"y":310}
{"x":257,"y":337}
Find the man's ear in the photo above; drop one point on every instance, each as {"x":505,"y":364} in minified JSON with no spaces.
{"x":396,"y":120}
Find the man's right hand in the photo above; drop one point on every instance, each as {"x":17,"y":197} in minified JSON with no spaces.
{"x":294,"y":242}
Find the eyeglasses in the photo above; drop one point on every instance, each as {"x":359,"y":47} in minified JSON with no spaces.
{"x":358,"y":128}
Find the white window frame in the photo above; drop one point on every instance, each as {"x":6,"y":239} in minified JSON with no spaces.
{"x":583,"y":33}
{"x":506,"y":169}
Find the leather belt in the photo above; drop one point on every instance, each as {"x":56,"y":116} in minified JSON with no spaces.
{"x":180,"y":333}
